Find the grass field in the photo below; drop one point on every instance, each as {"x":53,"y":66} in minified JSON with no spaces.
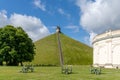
{"x":54,"y":73}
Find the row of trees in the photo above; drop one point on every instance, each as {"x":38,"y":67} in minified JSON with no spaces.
{"x":15,"y":46}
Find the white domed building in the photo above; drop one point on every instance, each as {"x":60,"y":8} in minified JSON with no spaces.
{"x":106,"y":49}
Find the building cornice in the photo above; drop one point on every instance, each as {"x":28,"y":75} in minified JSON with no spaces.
{"x":107,"y":35}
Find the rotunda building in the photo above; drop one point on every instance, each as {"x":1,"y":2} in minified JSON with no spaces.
{"x":106,"y":49}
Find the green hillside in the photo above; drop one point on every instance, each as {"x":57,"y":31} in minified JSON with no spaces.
{"x":74,"y":52}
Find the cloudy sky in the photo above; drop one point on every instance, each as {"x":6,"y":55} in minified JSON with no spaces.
{"x":78,"y":19}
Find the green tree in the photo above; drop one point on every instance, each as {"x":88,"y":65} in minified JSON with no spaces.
{"x":15,"y":46}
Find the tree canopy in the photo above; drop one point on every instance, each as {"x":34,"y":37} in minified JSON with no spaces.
{"x":15,"y":46}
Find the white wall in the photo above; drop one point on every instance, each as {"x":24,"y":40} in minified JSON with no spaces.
{"x":106,"y":49}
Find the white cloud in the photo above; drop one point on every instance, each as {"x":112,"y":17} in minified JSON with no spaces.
{"x":99,"y":15}
{"x":92,"y":35}
{"x":39,"y":4}
{"x":73,"y":27}
{"x":86,"y":40}
{"x":32,"y":25}
{"x":3,"y":18}
{"x":62,"y":12}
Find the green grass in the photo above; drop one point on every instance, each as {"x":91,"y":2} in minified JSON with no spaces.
{"x":74,"y":52}
{"x":54,"y":73}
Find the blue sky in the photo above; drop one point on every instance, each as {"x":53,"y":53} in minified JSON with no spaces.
{"x":79,"y":19}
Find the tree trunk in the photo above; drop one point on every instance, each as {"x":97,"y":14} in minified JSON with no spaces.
{"x":21,"y":63}
{"x":1,"y":63}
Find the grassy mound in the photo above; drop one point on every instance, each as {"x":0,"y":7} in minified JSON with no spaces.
{"x":74,"y":52}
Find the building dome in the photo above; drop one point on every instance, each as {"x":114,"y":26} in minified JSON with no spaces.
{"x":106,"y":49}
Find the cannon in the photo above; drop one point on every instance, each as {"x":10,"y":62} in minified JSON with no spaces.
{"x":66,"y":70}
{"x":94,"y":70}
{"x":27,"y":68}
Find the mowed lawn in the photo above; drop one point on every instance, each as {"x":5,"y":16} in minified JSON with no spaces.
{"x":54,"y":73}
